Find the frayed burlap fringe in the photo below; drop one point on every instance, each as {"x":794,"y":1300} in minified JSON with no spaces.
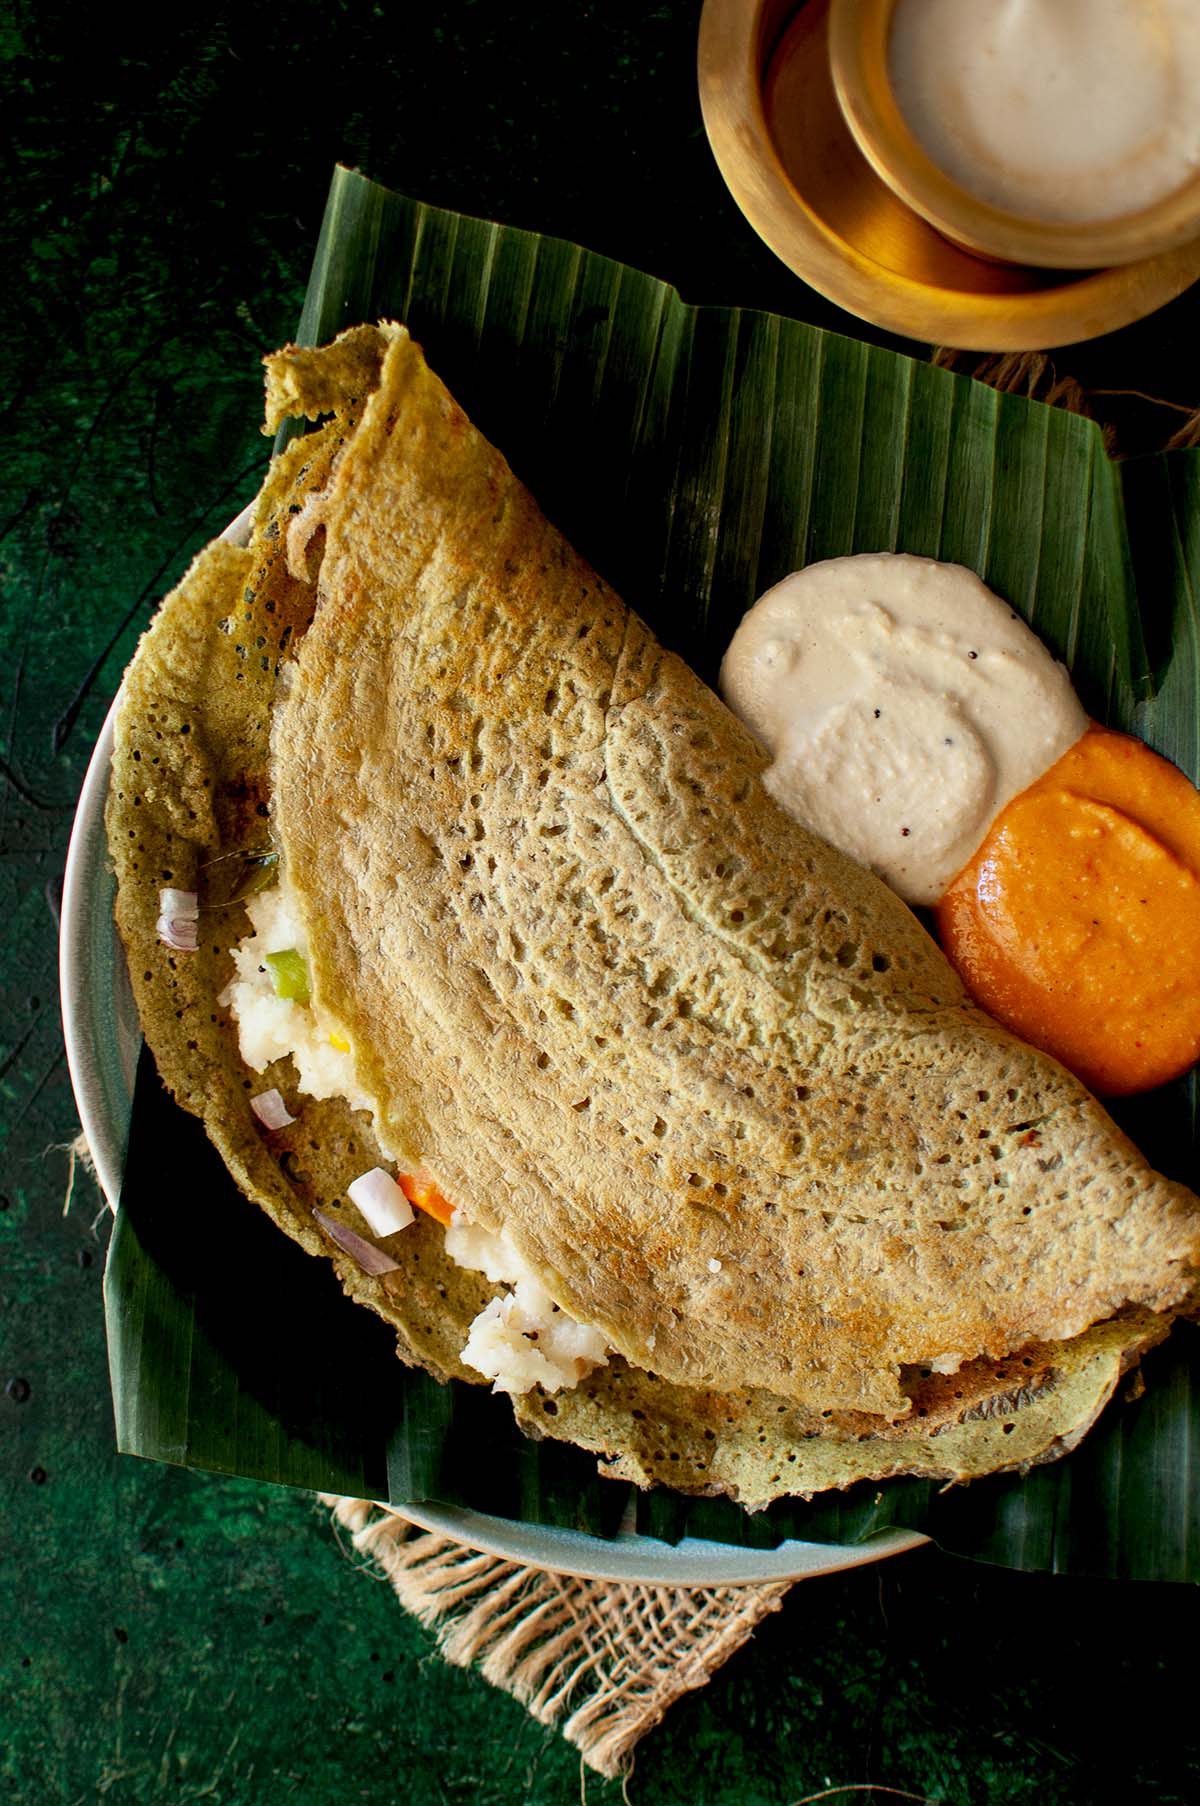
{"x":600,"y":1660}
{"x":1017,"y":373}
{"x":1033,"y":373}
{"x":79,"y":1158}
{"x":1030,"y":373}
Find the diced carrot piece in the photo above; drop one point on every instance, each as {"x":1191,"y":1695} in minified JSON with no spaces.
{"x":420,"y":1190}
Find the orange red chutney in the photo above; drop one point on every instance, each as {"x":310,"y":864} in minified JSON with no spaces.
{"x":1077,"y":922}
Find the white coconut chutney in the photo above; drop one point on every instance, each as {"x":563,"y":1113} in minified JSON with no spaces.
{"x":903,"y":704}
{"x":1062,"y":110}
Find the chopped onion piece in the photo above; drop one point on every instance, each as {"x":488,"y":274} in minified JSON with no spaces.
{"x":371,"y":1259}
{"x":179,"y":905}
{"x":271,"y":1110}
{"x":178,"y":933}
{"x":381,"y":1201}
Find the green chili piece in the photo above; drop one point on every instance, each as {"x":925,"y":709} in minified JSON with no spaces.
{"x":289,"y":975}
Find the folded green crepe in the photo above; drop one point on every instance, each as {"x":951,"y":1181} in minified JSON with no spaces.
{"x":711,"y":1079}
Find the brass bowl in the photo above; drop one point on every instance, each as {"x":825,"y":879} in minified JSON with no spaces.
{"x":858,"y":55}
{"x":793,"y":167}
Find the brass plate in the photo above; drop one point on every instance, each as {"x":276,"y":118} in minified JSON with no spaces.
{"x":788,"y":158}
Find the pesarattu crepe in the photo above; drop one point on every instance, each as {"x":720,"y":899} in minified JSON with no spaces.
{"x":709,"y":1079}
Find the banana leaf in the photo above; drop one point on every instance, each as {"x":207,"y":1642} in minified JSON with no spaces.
{"x":694,"y":455}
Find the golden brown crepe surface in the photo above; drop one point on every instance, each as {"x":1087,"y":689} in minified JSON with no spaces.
{"x":191,"y":780}
{"x":711,"y":1077}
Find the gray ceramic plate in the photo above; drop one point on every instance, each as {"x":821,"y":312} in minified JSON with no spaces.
{"x":103,"y":1039}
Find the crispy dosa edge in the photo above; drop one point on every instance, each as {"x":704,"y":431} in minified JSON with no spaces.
{"x":547,"y":892}
{"x":190,"y":784}
{"x":188,"y":802}
{"x":988,"y":1418}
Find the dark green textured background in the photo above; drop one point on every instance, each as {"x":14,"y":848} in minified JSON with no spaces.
{"x":168,"y":1637}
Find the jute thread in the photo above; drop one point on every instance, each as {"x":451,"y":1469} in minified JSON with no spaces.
{"x":1034,"y":374}
{"x":601,"y":1661}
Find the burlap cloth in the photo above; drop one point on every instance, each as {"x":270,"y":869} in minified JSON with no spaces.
{"x":599,"y":1660}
